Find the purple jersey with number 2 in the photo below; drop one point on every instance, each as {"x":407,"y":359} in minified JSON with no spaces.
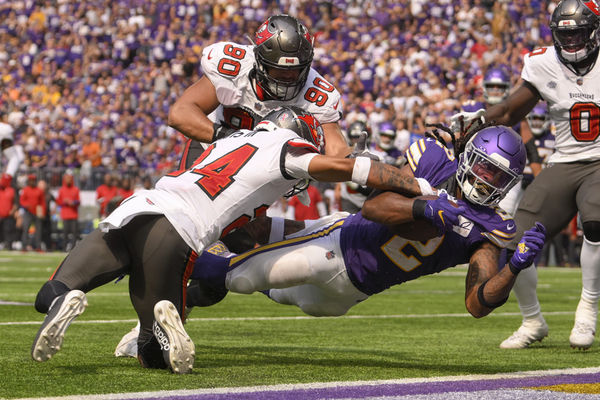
{"x":376,"y":258}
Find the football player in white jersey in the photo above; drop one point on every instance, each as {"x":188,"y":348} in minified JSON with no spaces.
{"x":155,"y":235}
{"x":242,"y":83}
{"x":566,"y":76}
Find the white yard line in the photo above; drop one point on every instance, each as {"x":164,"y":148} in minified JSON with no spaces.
{"x":292,"y":318}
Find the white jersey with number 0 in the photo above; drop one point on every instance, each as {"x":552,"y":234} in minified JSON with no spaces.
{"x":227,"y":65}
{"x":235,"y":180}
{"x":573,"y":104}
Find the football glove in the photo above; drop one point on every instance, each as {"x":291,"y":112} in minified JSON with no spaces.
{"x":459,"y":122}
{"x":440,"y":212}
{"x":528,"y":248}
{"x":360,"y":148}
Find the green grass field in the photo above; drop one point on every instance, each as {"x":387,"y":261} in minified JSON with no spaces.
{"x":419,"y":329}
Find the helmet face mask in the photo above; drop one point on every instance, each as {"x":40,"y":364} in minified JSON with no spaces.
{"x":575,"y":33}
{"x":283,"y":55}
{"x":496,"y":85}
{"x":387,"y":135}
{"x":491,"y":164}
{"x":538,"y":120}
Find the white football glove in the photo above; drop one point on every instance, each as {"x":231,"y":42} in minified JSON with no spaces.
{"x":467,"y":118}
{"x":360,"y":148}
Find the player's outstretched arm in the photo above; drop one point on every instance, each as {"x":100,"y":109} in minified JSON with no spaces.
{"x":189,"y":113}
{"x":364,"y":171}
{"x":515,"y":107}
{"x":486,"y":287}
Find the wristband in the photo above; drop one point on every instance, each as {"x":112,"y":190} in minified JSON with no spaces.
{"x":484,"y":302}
{"x":418,"y":209}
{"x":360,"y":172}
{"x":425,"y":187}
{"x":513,"y":269}
{"x":277,"y":228}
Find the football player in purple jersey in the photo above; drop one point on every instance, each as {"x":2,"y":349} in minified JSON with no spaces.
{"x":565,"y":75}
{"x":329,"y":266}
{"x":155,"y":235}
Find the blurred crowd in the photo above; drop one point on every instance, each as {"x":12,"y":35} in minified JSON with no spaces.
{"x":87,"y":85}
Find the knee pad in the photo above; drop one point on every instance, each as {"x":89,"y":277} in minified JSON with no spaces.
{"x":49,"y":291}
{"x":199,"y":294}
{"x":591,"y":231}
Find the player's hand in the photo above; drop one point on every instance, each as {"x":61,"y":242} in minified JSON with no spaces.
{"x":443,"y":213}
{"x":528,"y":248}
{"x":462,"y":121}
{"x":360,"y":148}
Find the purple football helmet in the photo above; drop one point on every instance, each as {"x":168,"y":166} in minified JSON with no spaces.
{"x":538,"y":119}
{"x":575,"y":32}
{"x":386,"y":136}
{"x":496,"y":85}
{"x":491,"y":164}
{"x":471,"y":106}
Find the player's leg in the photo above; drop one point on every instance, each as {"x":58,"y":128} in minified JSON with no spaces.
{"x":161,"y":265}
{"x":96,"y":260}
{"x":546,"y":200}
{"x":588,"y":201}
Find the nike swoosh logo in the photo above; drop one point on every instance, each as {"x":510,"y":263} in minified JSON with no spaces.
{"x":441,"y":214}
{"x":208,"y":57}
{"x":336,"y":105}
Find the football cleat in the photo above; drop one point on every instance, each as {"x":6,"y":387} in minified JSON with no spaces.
{"x":582,"y":335}
{"x":62,"y":312}
{"x":584,"y":329}
{"x":177,"y":347}
{"x":528,"y":333}
{"x":128,"y":346}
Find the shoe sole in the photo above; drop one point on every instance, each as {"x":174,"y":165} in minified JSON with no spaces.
{"x":50,"y":336}
{"x":181,"y":352}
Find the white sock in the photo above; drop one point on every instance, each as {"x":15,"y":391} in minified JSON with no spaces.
{"x":525,"y":292}
{"x":590,"y":271}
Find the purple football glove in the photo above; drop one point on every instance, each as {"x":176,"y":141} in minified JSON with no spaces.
{"x":442,"y":213}
{"x":528,"y":248}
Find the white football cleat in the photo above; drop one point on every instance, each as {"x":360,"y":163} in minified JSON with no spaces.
{"x":582,"y":334}
{"x":127,"y":347}
{"x":529,"y":332}
{"x":177,"y":347}
{"x":62,"y":312}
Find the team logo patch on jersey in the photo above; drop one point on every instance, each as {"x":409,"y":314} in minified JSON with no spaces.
{"x":329,"y":255}
{"x":551,"y":85}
